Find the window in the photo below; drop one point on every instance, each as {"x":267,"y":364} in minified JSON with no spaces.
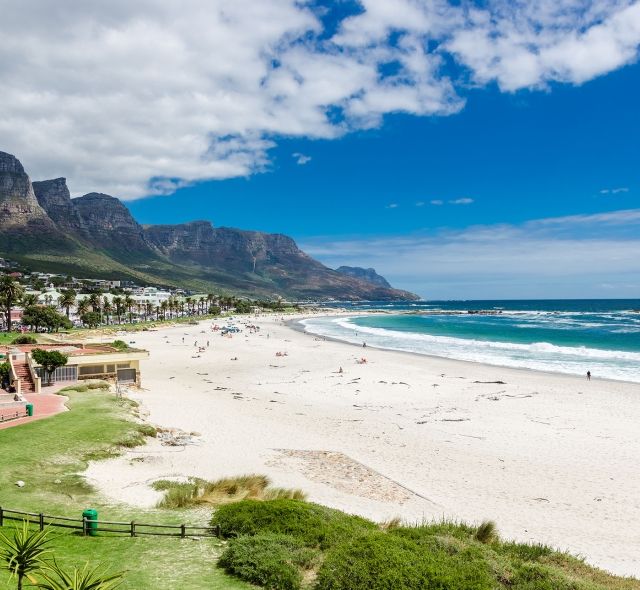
{"x":92,"y":370}
{"x":111,"y":369}
{"x":124,"y":365}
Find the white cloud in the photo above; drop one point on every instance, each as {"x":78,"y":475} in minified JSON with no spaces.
{"x":462,"y":201}
{"x":419,"y":203}
{"x":301,"y":159}
{"x":392,"y":206}
{"x":436,"y":202}
{"x":614,"y":191}
{"x":136,"y":98}
{"x":571,"y":256}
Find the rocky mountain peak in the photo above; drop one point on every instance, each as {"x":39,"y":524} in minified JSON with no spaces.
{"x":368,"y":275}
{"x":10,"y":164}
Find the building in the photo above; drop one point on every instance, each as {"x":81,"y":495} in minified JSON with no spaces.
{"x":86,"y":361}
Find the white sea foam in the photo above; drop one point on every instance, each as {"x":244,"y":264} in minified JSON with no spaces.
{"x":543,"y":356}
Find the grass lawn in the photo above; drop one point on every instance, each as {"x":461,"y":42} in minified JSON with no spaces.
{"x":57,"y":449}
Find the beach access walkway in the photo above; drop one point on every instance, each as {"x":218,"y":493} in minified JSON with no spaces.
{"x":44,"y":405}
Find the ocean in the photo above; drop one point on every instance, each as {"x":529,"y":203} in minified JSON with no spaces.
{"x":564,"y":336}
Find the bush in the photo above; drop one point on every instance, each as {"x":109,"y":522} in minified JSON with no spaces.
{"x":24,"y":340}
{"x":273,"y":561}
{"x":383,"y":561}
{"x":314,"y":525}
{"x":120,"y":345}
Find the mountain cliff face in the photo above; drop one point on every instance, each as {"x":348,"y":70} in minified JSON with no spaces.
{"x":109,"y":225}
{"x":54,"y":197}
{"x":368,"y":275}
{"x":23,"y":222}
{"x":96,"y":236}
{"x":270,"y":263}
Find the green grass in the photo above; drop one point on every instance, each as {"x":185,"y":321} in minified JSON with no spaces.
{"x":57,"y":449}
{"x":350,"y":553}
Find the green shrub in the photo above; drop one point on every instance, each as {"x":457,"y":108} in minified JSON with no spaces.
{"x":534,"y":576}
{"x":524,"y":551}
{"x":120,"y":345}
{"x":25,"y":339}
{"x":382,"y":561}
{"x":312,"y":524}
{"x":147,"y":430}
{"x":273,"y":561}
{"x":102,"y":385}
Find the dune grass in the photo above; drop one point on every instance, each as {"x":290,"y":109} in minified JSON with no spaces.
{"x":197,"y":491}
{"x":267,"y":539}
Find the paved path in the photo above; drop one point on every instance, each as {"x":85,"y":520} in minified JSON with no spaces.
{"x":44,"y":405}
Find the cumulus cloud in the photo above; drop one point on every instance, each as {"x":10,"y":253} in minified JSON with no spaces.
{"x":461,"y":201}
{"x":569,"y":256}
{"x":139,"y":98}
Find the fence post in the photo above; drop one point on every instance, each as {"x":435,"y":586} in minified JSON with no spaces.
{"x":183,"y":531}
{"x":41,"y":516}
{"x":133,"y":528}
{"x":84,"y":526}
{"x":1,"y":516}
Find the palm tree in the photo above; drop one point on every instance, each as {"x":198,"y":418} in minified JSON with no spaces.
{"x":117,"y":302}
{"x":188,"y":302}
{"x":107,"y":309}
{"x":24,"y":554}
{"x":129,"y":303}
{"x":55,"y":578}
{"x":83,"y":306}
{"x":148,"y":309}
{"x":29,"y":299}
{"x":163,"y":306}
{"x":95,"y":301}
{"x":67,"y":300}
{"x":11,"y":291}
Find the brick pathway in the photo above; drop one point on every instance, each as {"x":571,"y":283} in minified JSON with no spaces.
{"x":44,"y":405}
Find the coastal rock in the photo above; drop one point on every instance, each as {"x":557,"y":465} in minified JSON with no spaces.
{"x":364,"y":274}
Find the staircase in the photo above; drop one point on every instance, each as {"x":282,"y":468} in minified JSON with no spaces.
{"x":23,"y":373}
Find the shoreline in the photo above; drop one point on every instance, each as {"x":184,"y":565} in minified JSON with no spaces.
{"x":294,"y":324}
{"x":547,"y":456}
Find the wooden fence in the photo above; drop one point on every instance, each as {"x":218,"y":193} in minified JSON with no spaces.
{"x":131,"y":529}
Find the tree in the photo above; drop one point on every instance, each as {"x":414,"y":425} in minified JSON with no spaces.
{"x":214,"y":310}
{"x":49,"y":360}
{"x":83,"y":306}
{"x":44,"y":316}
{"x":91,"y":319}
{"x":23,"y":554}
{"x":129,"y":303}
{"x":10,"y":291}
{"x":68,"y":300}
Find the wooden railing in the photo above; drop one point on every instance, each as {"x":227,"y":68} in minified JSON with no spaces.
{"x":86,"y":525}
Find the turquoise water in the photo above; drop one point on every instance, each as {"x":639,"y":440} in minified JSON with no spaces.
{"x":601,"y":336}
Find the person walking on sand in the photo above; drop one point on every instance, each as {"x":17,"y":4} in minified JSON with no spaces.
{"x":588,"y":375}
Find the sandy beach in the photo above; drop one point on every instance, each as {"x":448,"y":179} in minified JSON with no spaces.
{"x":551,"y":458}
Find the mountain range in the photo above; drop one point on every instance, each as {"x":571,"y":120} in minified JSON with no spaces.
{"x":95,"y":236}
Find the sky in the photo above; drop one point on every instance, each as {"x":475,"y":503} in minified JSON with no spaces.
{"x":463,"y":149}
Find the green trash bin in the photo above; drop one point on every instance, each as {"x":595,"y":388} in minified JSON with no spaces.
{"x":29,"y":409}
{"x":90,"y":518}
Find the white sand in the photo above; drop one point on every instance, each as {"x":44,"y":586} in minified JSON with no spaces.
{"x":551,"y":458}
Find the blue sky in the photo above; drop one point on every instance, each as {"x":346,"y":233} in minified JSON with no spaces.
{"x":465,"y":149}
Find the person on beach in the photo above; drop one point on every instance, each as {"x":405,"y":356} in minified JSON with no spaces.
{"x":588,"y":375}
